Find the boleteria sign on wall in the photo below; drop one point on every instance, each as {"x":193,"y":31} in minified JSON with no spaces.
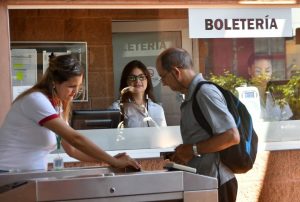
{"x":240,"y":23}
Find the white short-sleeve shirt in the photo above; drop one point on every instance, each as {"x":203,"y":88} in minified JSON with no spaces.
{"x":137,"y":116}
{"x":24,"y":142}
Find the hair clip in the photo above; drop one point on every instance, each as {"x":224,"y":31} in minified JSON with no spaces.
{"x":51,"y":55}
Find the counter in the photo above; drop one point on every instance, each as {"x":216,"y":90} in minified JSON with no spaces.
{"x":143,"y":143}
{"x":100,"y":185}
{"x":139,"y":143}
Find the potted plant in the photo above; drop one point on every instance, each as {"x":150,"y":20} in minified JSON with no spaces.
{"x":228,"y":81}
{"x":291,"y":94}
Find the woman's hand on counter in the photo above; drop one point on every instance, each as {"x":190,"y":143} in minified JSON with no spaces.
{"x":123,"y":161}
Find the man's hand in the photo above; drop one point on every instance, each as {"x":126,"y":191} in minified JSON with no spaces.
{"x":183,"y":154}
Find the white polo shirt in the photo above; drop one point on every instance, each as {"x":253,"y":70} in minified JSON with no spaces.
{"x":24,"y":142}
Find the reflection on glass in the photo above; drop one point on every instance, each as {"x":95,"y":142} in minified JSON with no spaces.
{"x":273,"y":107}
{"x":275,"y":72}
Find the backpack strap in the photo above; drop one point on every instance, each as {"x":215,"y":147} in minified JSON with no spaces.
{"x":202,"y":121}
{"x":197,"y":111}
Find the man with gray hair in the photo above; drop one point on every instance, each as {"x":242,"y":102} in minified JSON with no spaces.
{"x":199,"y":149}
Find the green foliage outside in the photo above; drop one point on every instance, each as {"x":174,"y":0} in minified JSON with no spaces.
{"x":228,"y":81}
{"x":291,"y":93}
{"x":261,"y":81}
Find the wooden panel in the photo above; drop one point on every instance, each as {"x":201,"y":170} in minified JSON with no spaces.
{"x":298,"y":36}
{"x":147,"y":3}
{"x":5,"y":82}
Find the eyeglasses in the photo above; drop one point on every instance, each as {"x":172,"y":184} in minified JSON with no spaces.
{"x":133,"y":78}
{"x":162,"y":78}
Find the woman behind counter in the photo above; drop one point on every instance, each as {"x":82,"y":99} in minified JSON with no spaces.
{"x":29,"y":131}
{"x":139,"y":107}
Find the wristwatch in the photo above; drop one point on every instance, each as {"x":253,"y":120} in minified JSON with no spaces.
{"x":195,"y":150}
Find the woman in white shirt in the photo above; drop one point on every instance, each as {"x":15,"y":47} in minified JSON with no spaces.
{"x":137,"y":105}
{"x":40,"y":114}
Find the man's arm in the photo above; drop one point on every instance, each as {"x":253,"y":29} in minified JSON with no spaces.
{"x":219,"y":142}
{"x":184,"y":152}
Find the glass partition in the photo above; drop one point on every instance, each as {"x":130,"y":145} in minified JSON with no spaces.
{"x":270,"y":66}
{"x":263,"y":72}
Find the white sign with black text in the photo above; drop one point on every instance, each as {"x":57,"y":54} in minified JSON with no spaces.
{"x":240,"y":23}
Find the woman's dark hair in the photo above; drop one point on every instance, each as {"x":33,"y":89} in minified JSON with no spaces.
{"x":257,"y":56}
{"x":61,"y":68}
{"x":127,"y":71}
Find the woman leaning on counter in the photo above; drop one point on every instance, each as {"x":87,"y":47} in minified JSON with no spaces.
{"x":29,"y":131}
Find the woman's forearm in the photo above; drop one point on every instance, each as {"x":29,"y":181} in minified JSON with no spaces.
{"x":75,"y":153}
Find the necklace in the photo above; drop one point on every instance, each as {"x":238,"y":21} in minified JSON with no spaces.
{"x":141,"y":106}
{"x":138,"y":103}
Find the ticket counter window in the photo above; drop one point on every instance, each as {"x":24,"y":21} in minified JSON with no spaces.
{"x":144,"y":41}
{"x":215,"y":58}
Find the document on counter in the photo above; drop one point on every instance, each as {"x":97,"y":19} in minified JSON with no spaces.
{"x":174,"y":166}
